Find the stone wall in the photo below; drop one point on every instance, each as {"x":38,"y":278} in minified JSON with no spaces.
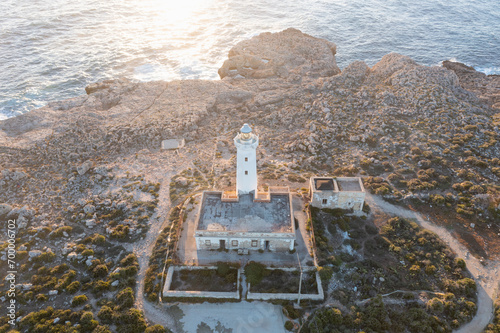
{"x":287,"y":296}
{"x":195,"y":293}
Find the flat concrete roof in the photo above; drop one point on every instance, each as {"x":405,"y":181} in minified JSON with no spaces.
{"x":245,"y":214}
{"x":324,"y":184}
{"x":349,"y":185}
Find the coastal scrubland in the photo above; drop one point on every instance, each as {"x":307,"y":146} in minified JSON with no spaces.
{"x":88,"y":185}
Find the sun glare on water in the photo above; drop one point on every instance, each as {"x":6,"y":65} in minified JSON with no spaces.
{"x":178,"y":11}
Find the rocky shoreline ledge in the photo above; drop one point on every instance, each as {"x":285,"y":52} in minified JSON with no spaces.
{"x":420,"y":136}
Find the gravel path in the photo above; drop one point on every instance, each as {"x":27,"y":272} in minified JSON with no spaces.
{"x":486,"y":277}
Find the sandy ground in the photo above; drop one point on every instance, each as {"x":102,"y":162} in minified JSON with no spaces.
{"x":486,"y":276}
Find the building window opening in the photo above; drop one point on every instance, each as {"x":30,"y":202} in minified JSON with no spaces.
{"x":246,"y":159}
{"x":246,"y":172}
{"x":234,"y":243}
{"x":207,"y":243}
{"x":254,"y":243}
{"x":325,"y":201}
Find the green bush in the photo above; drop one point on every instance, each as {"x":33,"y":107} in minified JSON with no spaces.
{"x":73,"y":287}
{"x":105,"y":314}
{"x":87,"y":322}
{"x":289,"y":325}
{"x":223,"y":269}
{"x":100,"y":271}
{"x":325,"y":273}
{"x":79,"y":300}
{"x":254,"y":272}
{"x":101,"y":329}
{"x":125,"y":298}
{"x":132,"y":321}
{"x":156,"y":329}
{"x":460,"y":263}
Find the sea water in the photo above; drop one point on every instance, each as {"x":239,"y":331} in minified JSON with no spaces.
{"x":50,"y":50}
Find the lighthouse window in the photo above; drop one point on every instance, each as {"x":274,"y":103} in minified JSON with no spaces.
{"x":246,"y":159}
{"x":246,"y":172}
{"x":254,"y":243}
{"x":325,"y":201}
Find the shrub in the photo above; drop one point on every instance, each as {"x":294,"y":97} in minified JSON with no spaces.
{"x":156,"y":329}
{"x":105,"y":314}
{"x":414,"y":269}
{"x":254,"y":272}
{"x":100,"y":271}
{"x":460,"y":263}
{"x":87,"y":322}
{"x":222,"y":269}
{"x":125,"y":298}
{"x":101,"y":329}
{"x":98,"y":239}
{"x":100,"y":286}
{"x":41,"y":297}
{"x":79,"y":300}
{"x":325,"y":273}
{"x":60,"y":231}
{"x":436,"y":305}
{"x":132,"y":321}
{"x":292,"y":312}
{"x":130,"y":259}
{"x":430,"y":270}
{"x":73,"y":287}
{"x":289,"y":325}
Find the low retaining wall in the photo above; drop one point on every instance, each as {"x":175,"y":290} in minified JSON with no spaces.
{"x":287,"y":296}
{"x":195,"y":293}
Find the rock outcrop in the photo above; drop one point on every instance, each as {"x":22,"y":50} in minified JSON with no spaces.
{"x":487,"y":87}
{"x":284,"y":54}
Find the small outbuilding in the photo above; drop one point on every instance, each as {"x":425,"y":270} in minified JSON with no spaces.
{"x":340,"y":192}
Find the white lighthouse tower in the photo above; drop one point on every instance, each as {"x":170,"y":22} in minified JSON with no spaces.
{"x":246,"y":160}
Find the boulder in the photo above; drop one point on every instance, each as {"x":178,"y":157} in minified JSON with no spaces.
{"x":391,"y":63}
{"x":281,"y":55}
{"x":34,"y":253}
{"x":89,"y":209}
{"x":72,"y":256}
{"x":90,"y":223}
{"x":84,"y":167}
{"x":5,"y":209}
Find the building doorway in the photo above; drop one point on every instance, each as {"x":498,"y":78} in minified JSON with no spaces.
{"x":266,"y":245}
{"x":222,"y":244}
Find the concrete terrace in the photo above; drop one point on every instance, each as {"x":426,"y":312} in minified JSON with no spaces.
{"x":245,"y":214}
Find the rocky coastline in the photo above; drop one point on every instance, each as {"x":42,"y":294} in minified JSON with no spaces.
{"x":416,"y":134}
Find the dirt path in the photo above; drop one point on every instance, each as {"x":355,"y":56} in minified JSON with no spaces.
{"x":143,"y":249}
{"x":486,"y":276}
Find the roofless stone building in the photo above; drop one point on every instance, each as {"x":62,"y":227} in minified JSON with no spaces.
{"x":246,"y":219}
{"x":340,"y":192}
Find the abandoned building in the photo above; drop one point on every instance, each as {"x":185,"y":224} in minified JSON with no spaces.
{"x":246,"y":219}
{"x":340,"y":192}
